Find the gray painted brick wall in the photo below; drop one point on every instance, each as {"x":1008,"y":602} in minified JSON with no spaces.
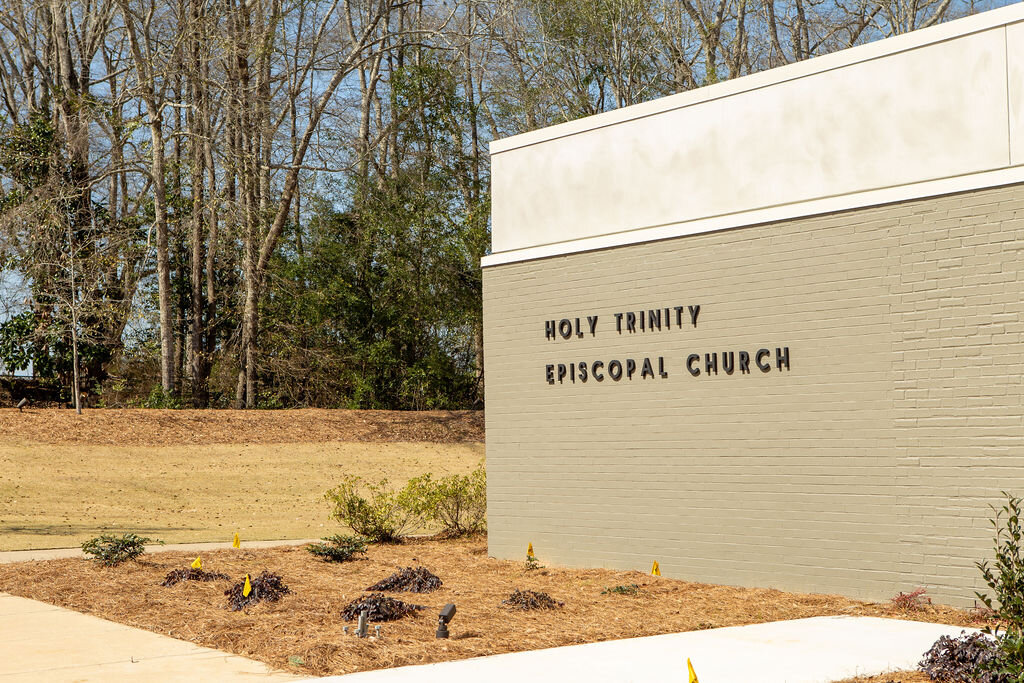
{"x":865,"y":469}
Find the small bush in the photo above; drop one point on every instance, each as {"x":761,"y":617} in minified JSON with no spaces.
{"x":158,"y":399}
{"x":532,"y":563}
{"x":627,"y":589}
{"x":112,"y":550}
{"x":1006,"y":580}
{"x":914,"y":601}
{"x":531,"y":600}
{"x":1006,"y":577}
{"x":379,"y":607}
{"x":179,"y":575}
{"x":338,"y":548}
{"x":381,"y":515}
{"x":266,"y":586}
{"x":418,"y":580}
{"x":962,"y":660}
{"x":458,"y":504}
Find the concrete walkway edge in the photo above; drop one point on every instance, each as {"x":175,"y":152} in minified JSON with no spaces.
{"x":814,"y":650}
{"x":10,"y":556}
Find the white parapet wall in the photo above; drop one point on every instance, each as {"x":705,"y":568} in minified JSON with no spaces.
{"x":932,"y":112}
{"x":769,"y":332}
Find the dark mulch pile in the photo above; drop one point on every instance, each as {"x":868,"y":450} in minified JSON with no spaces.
{"x":418,"y":580}
{"x":379,"y":607}
{"x":531,"y":600}
{"x":266,"y":586}
{"x":179,"y":575}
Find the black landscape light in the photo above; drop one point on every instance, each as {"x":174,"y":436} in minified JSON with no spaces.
{"x":22,"y":403}
{"x":447,"y":614}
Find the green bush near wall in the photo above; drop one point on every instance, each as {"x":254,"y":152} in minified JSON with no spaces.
{"x":456,"y":505}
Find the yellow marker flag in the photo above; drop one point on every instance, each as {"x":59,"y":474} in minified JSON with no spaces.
{"x":529,"y":550}
{"x":655,"y":569}
{"x":197,"y":563}
{"x":693,"y":674}
{"x":237,"y":543}
{"x":247,"y":588}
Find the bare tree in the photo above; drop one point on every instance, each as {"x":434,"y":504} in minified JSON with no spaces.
{"x":149,"y":53}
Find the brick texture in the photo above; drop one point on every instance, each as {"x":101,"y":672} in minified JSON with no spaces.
{"x":866,"y":468}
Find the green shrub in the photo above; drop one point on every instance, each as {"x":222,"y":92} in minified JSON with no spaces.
{"x":457,"y":504}
{"x":338,"y":548}
{"x":1005,"y":578}
{"x":112,"y":550}
{"x":158,"y":399}
{"x":381,"y":515}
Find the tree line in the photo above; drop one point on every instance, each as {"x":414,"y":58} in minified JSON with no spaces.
{"x":274,"y":203}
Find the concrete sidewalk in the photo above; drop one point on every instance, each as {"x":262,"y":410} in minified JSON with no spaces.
{"x":40,"y":642}
{"x":816,"y":650}
{"x":10,"y":556}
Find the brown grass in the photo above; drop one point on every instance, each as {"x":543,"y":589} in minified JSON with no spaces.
{"x":202,"y":475}
{"x":306,"y":623}
{"x":54,"y":496}
{"x":203,"y":427}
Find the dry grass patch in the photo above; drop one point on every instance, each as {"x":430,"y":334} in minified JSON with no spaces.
{"x":54,"y":496}
{"x":307,"y":623}
{"x":202,"y":427}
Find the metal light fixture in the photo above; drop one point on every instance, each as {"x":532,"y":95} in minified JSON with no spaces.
{"x":363,"y":623}
{"x":446,"y":615}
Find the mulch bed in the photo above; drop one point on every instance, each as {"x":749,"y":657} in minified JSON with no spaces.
{"x":127,"y":427}
{"x":894,"y":677}
{"x":306,"y":624}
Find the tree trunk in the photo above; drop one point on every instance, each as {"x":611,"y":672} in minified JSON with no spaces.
{"x":196,"y":120}
{"x":163,"y":261}
{"x":163,"y":266}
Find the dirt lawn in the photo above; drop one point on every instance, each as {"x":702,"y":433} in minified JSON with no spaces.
{"x":305,"y":626}
{"x":182,"y":476}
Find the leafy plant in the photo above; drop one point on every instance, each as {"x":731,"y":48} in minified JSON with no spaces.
{"x":528,"y":600}
{"x":179,"y":575}
{"x":379,"y":607}
{"x":337,"y":548}
{"x":458,"y":503}
{"x":112,"y":550}
{"x":382,"y":515}
{"x":627,"y":589}
{"x":159,"y":399}
{"x":965,"y":659}
{"x":418,"y":580}
{"x":914,"y":601}
{"x":532,"y":563}
{"x":1006,"y":580}
{"x":266,"y":586}
{"x":1006,"y":576}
